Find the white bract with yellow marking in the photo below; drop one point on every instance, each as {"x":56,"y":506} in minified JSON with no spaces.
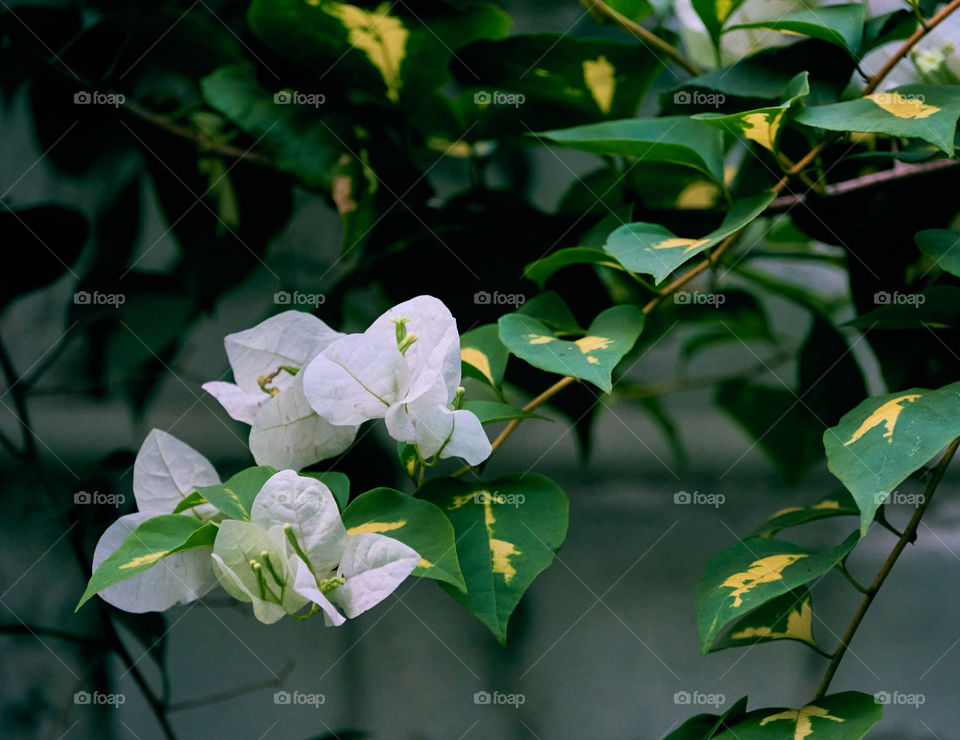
{"x":268,"y":392}
{"x":404,"y":369}
{"x":295,"y":550}
{"x":165,"y":472}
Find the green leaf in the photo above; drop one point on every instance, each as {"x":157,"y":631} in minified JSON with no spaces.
{"x":940,"y":245}
{"x":188,"y":502}
{"x":235,"y":497}
{"x":788,"y":617}
{"x":927,"y":112}
{"x":483,"y":355}
{"x":592,"y":357}
{"x":294,"y":135}
{"x":714,"y":13}
{"x":655,"y":250}
{"x":840,"y":503}
{"x":848,"y":715}
{"x":409,"y":459}
{"x":751,"y":573}
{"x":491,"y":412}
{"x":414,"y":522}
{"x":550,"y":309}
{"x":762,"y":125}
{"x":338,"y":483}
{"x":507,"y":532}
{"x":542,"y":269}
{"x":706,"y":726}
{"x":149,"y":543}
{"x":675,"y":139}
{"x":882,"y":441}
{"x":838,"y":24}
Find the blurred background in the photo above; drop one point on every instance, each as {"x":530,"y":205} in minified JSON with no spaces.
{"x":162,"y":213}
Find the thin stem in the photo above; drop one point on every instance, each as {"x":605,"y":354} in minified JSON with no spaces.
{"x":925,"y":27}
{"x":853,"y":581}
{"x":641,"y":33}
{"x":902,"y":542}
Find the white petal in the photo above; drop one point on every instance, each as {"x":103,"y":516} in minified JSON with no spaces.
{"x":291,"y":338}
{"x":166,"y":471}
{"x":287,"y":433}
{"x":241,"y":405}
{"x":374,"y":565}
{"x":468,"y":441}
{"x":176,"y":579}
{"x":437,"y":349}
{"x":306,"y":586}
{"x":355,"y":379}
{"x":310,"y":509}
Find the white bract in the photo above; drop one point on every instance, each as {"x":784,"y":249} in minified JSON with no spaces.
{"x":268,"y":392}
{"x":165,"y":472}
{"x":404,"y":369}
{"x":295,"y":550}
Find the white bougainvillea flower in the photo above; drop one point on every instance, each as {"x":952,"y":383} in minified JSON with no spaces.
{"x":166,"y":470}
{"x":295,"y":550}
{"x":268,"y":393}
{"x":372,"y":566}
{"x":405,"y":369}
{"x":256,"y":565}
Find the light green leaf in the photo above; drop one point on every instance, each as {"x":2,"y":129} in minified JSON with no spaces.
{"x":592,"y":357}
{"x":542,"y":269}
{"x":714,"y":13}
{"x":149,"y":543}
{"x":483,"y":355}
{"x":507,"y":532}
{"x":414,"y":522}
{"x":189,"y":502}
{"x":941,"y":245}
{"x":655,"y":250}
{"x":788,"y":617}
{"x":838,"y":24}
{"x":751,"y":573}
{"x":675,"y":139}
{"x":762,"y":125}
{"x":848,"y":715}
{"x":550,"y":309}
{"x":235,"y":497}
{"x":882,"y":441}
{"x":927,"y":112}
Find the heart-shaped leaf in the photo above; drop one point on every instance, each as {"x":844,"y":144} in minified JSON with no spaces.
{"x":592,"y":357}
{"x":507,"y":531}
{"x":848,"y":715}
{"x":878,"y":444}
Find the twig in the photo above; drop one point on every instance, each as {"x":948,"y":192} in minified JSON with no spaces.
{"x":641,"y":33}
{"x":871,"y":594}
{"x":227,"y":694}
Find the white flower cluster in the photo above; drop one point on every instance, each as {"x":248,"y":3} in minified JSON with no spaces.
{"x":305,"y":388}
{"x":294,"y":551}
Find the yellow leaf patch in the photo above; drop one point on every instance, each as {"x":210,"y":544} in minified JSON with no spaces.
{"x":600,"y":79}
{"x":375,"y":527}
{"x":765,"y":570}
{"x":887,"y":415}
{"x":897,"y":105}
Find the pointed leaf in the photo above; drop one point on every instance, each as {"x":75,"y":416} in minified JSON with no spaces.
{"x":788,"y":617}
{"x":542,"y":269}
{"x":235,"y":497}
{"x":840,"y":503}
{"x":848,"y":715}
{"x":483,"y":355}
{"x":838,"y":24}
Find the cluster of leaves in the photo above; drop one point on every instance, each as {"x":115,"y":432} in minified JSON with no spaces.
{"x":407,"y":110}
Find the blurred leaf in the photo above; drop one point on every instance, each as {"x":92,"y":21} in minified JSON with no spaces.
{"x":940,"y":245}
{"x":838,"y":24}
